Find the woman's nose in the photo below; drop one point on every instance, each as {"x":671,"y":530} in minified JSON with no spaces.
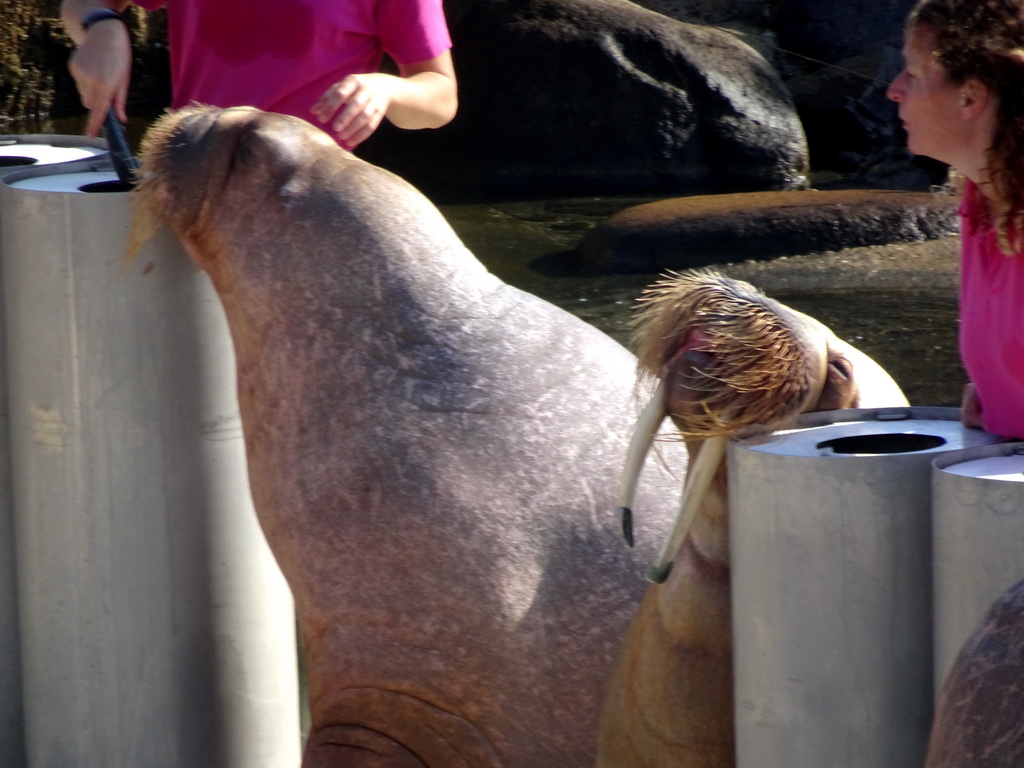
{"x":895,"y":89}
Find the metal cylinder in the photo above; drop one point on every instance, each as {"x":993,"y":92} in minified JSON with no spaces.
{"x":17,"y":151}
{"x":156,"y":629}
{"x":831,"y":553}
{"x":12,"y":722}
{"x":978,"y":540}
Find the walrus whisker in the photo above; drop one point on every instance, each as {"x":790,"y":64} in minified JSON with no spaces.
{"x":145,"y":222}
{"x":148,"y":215}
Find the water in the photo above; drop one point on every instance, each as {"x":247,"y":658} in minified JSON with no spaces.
{"x":910,"y":332}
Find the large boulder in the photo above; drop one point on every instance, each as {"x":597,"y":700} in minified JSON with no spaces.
{"x":589,"y":96}
{"x":718,"y":229}
{"x":837,"y":58}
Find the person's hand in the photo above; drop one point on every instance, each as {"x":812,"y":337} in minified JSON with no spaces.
{"x":101,"y":67}
{"x":355,"y":106}
{"x":970,"y":408}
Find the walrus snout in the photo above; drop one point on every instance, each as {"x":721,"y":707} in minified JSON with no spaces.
{"x":200,"y":153}
{"x":728,"y":356}
{"x":210,"y":137}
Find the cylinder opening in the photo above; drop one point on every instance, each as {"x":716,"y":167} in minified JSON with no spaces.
{"x":105,"y":186}
{"x":881,"y":444}
{"x":12,"y":161}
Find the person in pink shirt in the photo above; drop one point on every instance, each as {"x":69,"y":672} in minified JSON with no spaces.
{"x":316,"y":59}
{"x":961,"y":100}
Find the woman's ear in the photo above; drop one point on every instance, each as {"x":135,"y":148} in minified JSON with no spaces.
{"x":975,"y":97}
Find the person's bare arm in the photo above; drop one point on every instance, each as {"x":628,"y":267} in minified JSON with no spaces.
{"x":430,"y":99}
{"x":422,"y":95}
{"x":101,"y":64}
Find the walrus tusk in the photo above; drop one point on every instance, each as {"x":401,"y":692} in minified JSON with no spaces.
{"x":698,"y":480}
{"x":643,"y":435}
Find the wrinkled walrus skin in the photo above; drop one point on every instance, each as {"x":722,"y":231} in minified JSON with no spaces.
{"x":669,"y":702}
{"x":433,"y":454}
{"x":979,"y":720}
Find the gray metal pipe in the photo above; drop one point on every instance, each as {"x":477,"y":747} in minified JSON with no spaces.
{"x":12,"y":722}
{"x":156,"y":629}
{"x":16,"y":152}
{"x":830,"y":540}
{"x":978,"y":540}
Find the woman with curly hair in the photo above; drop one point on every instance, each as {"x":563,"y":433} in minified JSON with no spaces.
{"x":961,"y":100}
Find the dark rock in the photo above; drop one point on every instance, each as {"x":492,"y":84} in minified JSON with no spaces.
{"x":833,"y":30}
{"x":710,"y":11}
{"x":718,"y":229}
{"x":590,"y":96}
{"x":844,"y":54}
{"x":840,"y":109}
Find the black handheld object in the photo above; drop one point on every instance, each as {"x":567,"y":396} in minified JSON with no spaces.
{"x":120,"y":153}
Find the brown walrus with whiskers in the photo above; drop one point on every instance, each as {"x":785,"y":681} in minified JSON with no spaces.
{"x":744,"y":360}
{"x":727,"y":359}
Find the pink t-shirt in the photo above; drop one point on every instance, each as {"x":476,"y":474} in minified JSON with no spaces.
{"x":281,"y":55}
{"x":992,"y":320}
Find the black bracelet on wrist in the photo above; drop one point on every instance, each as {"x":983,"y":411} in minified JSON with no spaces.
{"x":101,"y":14}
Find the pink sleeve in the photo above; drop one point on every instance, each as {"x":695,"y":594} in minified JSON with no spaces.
{"x":412,"y":30}
{"x":150,"y":5}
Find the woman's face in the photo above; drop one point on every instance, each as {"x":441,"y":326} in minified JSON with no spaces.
{"x":928,"y":101}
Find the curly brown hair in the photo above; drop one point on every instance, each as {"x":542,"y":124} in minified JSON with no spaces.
{"x":984,"y":40}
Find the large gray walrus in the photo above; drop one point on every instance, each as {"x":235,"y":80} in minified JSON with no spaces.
{"x":433,"y":454}
{"x":729,"y":360}
{"x":979,"y":721}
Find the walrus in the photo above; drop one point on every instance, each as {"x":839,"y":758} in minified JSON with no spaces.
{"x":978,"y":720}
{"x":728,"y":361}
{"x":433,"y":454}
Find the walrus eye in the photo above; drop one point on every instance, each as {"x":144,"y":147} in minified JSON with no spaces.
{"x":840,"y":390}
{"x":690,"y":380}
{"x":840,"y":366}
